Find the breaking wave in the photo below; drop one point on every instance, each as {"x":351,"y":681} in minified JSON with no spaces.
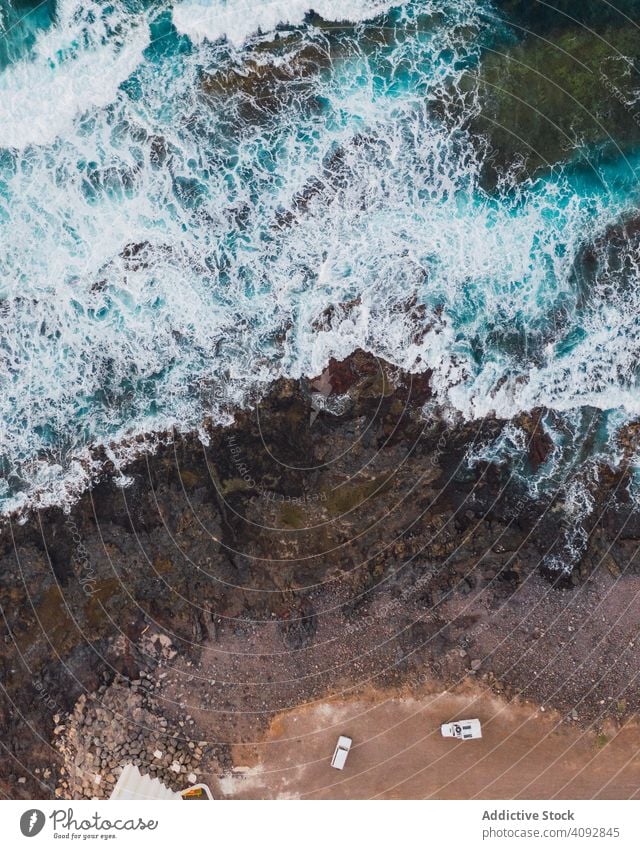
{"x":236,"y":20}
{"x":73,"y":68}
{"x":196,"y":200}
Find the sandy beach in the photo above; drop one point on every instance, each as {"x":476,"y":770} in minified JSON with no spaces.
{"x":398,"y":753}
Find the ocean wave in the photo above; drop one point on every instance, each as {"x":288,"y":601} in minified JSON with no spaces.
{"x":236,"y":20}
{"x":74,"y":67}
{"x":228,"y":217}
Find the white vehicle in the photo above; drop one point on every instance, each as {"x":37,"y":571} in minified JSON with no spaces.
{"x":462,"y":729}
{"x":339,"y":758}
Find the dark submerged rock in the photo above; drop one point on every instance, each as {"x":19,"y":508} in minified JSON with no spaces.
{"x":546,"y":100}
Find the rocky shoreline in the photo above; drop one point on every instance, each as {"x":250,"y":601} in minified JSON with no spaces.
{"x":332,"y":538}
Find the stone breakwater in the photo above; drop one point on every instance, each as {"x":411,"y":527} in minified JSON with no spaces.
{"x":178,"y":615}
{"x":97,"y":739}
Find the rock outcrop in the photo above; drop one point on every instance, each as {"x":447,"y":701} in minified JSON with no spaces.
{"x":305,"y":550}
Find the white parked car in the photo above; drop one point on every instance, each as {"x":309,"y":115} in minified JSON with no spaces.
{"x":339,"y":758}
{"x":462,"y":729}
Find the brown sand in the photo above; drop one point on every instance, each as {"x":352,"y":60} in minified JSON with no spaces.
{"x":398,"y":752}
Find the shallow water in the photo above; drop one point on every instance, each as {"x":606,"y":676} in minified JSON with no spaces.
{"x":182,"y":198}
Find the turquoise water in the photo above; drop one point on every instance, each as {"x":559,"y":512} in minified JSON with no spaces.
{"x":181,"y":199}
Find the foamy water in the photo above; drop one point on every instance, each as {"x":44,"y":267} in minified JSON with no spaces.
{"x":173,"y":231}
{"x":73,"y":69}
{"x":236,"y":20}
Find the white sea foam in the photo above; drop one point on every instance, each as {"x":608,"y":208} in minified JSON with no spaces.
{"x":73,"y":68}
{"x":156,"y":266}
{"x":236,"y":20}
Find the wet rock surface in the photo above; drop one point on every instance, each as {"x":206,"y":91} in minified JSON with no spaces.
{"x":304,"y":552}
{"x":544,"y":98}
{"x":542,"y":18}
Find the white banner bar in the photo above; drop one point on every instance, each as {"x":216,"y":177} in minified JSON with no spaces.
{"x":510,"y":825}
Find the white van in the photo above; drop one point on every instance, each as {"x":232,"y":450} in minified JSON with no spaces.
{"x":462,"y":729}
{"x":339,"y":758}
